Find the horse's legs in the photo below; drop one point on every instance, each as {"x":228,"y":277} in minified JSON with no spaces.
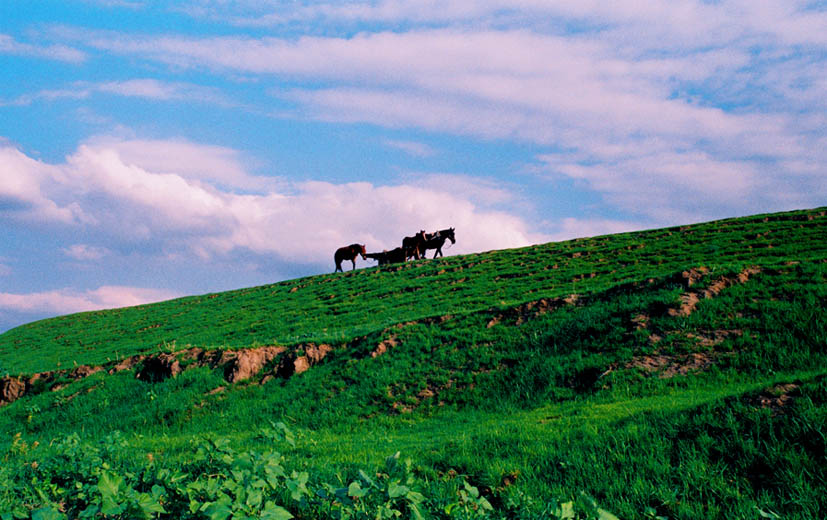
{"x":338,"y":267}
{"x":354,"y":263}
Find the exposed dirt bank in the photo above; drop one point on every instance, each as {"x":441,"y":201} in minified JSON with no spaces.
{"x":238,"y":365}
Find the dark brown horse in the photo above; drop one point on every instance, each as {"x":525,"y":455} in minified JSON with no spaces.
{"x":382,"y":257}
{"x":394,"y":256}
{"x":414,"y":246}
{"x":437,"y":240}
{"x":348,"y":253}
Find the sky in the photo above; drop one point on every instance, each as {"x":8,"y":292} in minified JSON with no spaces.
{"x":150,"y":150}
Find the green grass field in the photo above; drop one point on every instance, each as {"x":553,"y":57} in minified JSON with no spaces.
{"x":670,"y":373}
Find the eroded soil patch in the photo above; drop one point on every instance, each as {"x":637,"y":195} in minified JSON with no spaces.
{"x":533,"y":309}
{"x":690,"y":299}
{"x":671,"y":365}
{"x":238,"y":365}
{"x":776,"y":398}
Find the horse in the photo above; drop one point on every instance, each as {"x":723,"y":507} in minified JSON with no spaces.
{"x":348,"y":253}
{"x":413,"y":246}
{"x":393,"y":256}
{"x":437,"y":240}
{"x":382,"y":257}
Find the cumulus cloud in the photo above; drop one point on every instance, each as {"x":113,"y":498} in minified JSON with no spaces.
{"x":26,"y":186}
{"x":218,"y":165}
{"x":66,"y":301}
{"x":701,"y":105}
{"x":124,"y":193}
{"x":673,"y":109}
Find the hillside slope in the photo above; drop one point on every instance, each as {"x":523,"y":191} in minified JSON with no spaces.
{"x":338,"y":307}
{"x":676,"y":373}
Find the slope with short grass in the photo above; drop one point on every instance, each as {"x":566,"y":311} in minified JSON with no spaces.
{"x":673,"y":373}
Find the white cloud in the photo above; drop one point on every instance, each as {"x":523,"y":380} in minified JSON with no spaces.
{"x":218,"y":165}
{"x":658,"y":22}
{"x":670,"y":187}
{"x":570,"y":228}
{"x":486,"y":192}
{"x":160,"y":90}
{"x":151,"y":89}
{"x":66,"y":301}
{"x":85,"y":252}
{"x":669,"y":109}
{"x":25,"y":185}
{"x":124,"y":193}
{"x":411,"y":148}
{"x":8,"y":45}
{"x":511,"y":84}
{"x":321,"y":216}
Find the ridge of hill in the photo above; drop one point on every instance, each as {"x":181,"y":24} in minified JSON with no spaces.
{"x":337,"y":307}
{"x":672,"y":373}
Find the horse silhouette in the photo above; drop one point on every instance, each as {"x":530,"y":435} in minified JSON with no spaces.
{"x":414,"y":246}
{"x":348,"y":253}
{"x":437,"y":240}
{"x":394,"y":256}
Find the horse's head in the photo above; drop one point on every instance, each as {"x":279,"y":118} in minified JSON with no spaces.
{"x":362,"y":251}
{"x":450,"y":234}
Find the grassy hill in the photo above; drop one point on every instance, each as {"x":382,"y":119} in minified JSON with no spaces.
{"x":675,"y":373}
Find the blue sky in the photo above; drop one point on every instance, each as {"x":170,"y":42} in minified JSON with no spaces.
{"x":153,"y":149}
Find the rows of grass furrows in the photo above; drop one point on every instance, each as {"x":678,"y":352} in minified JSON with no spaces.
{"x":699,"y":393}
{"x":343,"y":306}
{"x":688,"y":322}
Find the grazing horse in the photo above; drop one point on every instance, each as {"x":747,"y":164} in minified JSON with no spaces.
{"x":414,"y":246}
{"x":437,"y":240}
{"x":382,"y":257}
{"x":348,"y":253}
{"x":394,"y":256}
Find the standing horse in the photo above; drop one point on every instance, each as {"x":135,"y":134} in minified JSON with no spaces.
{"x":348,"y":253}
{"x":437,"y":240}
{"x":414,"y":245}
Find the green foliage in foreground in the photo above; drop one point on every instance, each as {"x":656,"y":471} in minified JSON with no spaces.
{"x":505,"y":397}
{"x":84,"y":481}
{"x":665,"y":465}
